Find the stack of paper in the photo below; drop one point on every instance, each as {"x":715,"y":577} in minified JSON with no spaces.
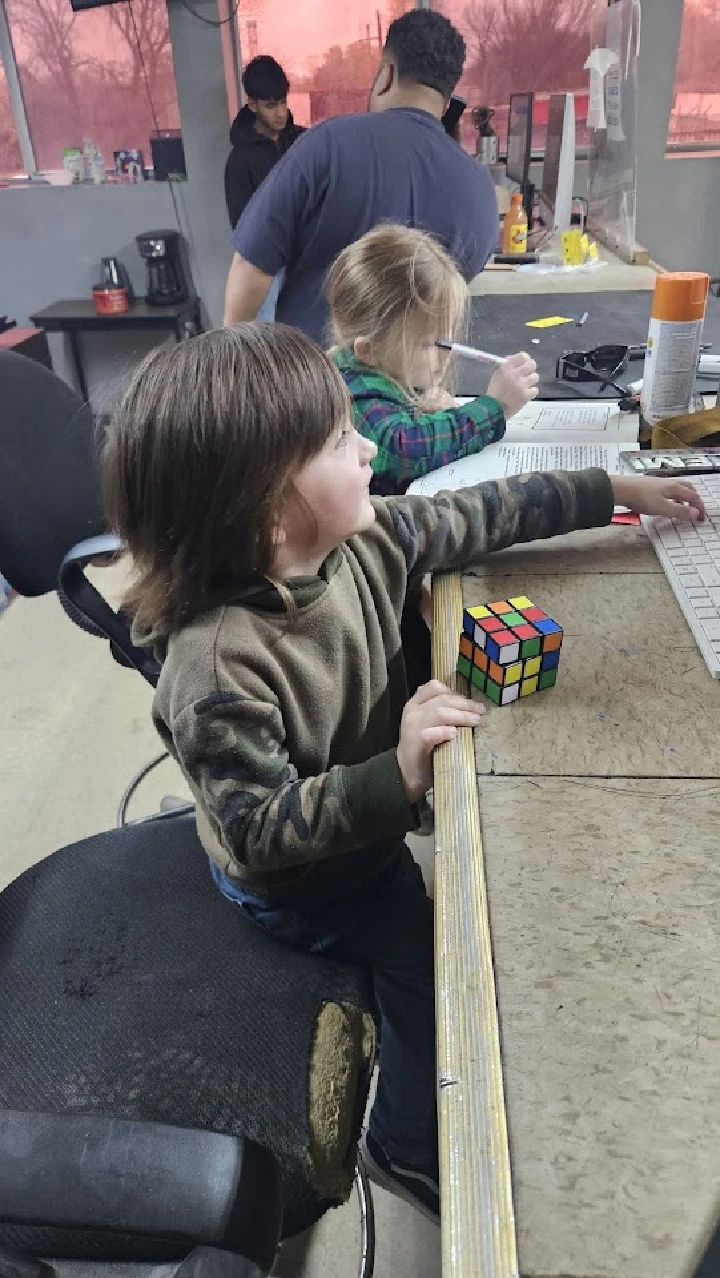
{"x":548,"y":435}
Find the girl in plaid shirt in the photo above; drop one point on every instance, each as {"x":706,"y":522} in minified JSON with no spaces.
{"x":393,"y":294}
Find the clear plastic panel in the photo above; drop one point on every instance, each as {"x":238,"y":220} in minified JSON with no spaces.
{"x":612,"y":121}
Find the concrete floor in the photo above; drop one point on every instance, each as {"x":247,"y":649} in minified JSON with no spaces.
{"x":74,"y":729}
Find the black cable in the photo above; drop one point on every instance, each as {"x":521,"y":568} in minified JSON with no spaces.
{"x":153,"y":112}
{"x":210,"y":22}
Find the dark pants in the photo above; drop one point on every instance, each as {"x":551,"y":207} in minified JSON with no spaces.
{"x":386,"y":925}
{"x":416,"y":644}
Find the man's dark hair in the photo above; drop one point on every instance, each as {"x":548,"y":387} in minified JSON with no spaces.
{"x":264,"y":80}
{"x":427,"y":49}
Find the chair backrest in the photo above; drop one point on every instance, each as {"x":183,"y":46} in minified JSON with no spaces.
{"x":48,"y":488}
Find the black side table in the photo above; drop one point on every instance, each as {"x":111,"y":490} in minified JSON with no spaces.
{"x":78,"y":315}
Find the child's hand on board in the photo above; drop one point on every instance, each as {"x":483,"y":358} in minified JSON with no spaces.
{"x":514,"y":383}
{"x":674,"y":498}
{"x":431,"y":717}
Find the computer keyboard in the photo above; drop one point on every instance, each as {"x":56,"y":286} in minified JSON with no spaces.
{"x":690,"y":556}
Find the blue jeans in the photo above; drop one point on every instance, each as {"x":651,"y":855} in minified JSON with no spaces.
{"x":267,"y":310}
{"x":386,"y":925}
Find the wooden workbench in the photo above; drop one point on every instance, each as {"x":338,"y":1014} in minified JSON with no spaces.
{"x":613,"y":275}
{"x":577,"y":849}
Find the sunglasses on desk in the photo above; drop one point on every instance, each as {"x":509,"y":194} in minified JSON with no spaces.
{"x":589,"y":366}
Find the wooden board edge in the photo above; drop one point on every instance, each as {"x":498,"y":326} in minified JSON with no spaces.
{"x":478,"y":1237}
{"x":633,"y":254}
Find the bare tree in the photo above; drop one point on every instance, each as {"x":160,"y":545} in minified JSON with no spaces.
{"x":143,"y":27}
{"x":699,"y":53}
{"x":523,"y":45}
{"x":10,"y":157}
{"x":47,"y":27}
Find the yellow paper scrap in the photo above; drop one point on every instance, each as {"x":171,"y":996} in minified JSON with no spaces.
{"x":551,"y":322}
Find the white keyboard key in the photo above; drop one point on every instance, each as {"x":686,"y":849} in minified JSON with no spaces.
{"x":689,"y":555}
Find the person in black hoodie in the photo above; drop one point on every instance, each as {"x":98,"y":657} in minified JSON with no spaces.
{"x":261,"y":132}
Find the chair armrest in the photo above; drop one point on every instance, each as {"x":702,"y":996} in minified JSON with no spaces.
{"x":111,"y":1177}
{"x":86,"y":607}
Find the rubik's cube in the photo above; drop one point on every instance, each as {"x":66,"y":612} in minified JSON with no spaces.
{"x":509,"y":649}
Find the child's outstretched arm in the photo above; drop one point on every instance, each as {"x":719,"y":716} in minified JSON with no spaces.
{"x":410,"y":442}
{"x":455,"y":529}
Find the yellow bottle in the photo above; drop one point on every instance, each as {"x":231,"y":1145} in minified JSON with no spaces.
{"x":515,"y":229}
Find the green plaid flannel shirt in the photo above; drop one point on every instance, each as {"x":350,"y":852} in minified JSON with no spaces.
{"x":409,"y":442}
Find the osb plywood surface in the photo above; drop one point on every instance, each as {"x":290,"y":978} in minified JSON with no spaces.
{"x":605,"y":913}
{"x":619,"y":548}
{"x":634,"y":697}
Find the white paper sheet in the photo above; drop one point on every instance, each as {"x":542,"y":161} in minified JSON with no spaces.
{"x":499,"y":460}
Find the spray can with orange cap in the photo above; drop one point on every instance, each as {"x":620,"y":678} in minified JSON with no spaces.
{"x":673,"y":346}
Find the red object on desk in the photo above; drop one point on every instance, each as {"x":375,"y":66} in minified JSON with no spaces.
{"x":27,"y":341}
{"x":625,"y":517}
{"x":111,"y":301}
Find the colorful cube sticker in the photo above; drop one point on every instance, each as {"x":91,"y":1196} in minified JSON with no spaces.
{"x":509,"y":649}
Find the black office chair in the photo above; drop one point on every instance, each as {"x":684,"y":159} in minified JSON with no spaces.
{"x":131,"y":990}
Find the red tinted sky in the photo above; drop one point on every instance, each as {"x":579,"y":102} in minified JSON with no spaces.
{"x":298,"y":34}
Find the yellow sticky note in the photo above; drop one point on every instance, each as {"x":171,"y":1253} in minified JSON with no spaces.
{"x":551,"y":322}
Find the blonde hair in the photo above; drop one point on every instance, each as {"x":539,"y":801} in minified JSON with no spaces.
{"x":393,"y":288}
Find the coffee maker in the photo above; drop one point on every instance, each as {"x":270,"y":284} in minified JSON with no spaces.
{"x":166,"y":283}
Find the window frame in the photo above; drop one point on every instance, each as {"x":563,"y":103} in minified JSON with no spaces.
{"x":18,"y":111}
{"x":17,"y":101}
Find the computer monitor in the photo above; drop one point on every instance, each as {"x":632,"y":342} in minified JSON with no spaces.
{"x":519,"y":147}
{"x":556,"y":191}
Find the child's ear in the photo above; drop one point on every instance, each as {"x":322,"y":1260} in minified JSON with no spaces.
{"x":363,"y":349}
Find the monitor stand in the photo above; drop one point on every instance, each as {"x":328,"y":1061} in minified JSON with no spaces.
{"x":528,"y":198}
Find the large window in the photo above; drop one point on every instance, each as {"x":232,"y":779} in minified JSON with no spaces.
{"x":695,"y":118}
{"x":10,"y":157}
{"x":83,"y":75}
{"x":514,"y":46}
{"x":330,"y":52}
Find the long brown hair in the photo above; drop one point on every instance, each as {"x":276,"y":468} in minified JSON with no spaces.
{"x":395,"y":288}
{"x":201,"y":457}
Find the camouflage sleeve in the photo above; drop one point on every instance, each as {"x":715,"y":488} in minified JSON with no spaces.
{"x":232,"y":749}
{"x":454,"y":529}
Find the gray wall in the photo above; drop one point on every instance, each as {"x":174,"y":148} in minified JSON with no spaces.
{"x":677,"y":199}
{"x":52,"y":238}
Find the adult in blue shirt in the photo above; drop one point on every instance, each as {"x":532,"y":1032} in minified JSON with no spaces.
{"x":340,"y":179}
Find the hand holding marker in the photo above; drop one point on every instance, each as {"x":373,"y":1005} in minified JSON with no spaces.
{"x":515,"y":380}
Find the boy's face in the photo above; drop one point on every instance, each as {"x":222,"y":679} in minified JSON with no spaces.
{"x":270,"y":115}
{"x":335,"y":488}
